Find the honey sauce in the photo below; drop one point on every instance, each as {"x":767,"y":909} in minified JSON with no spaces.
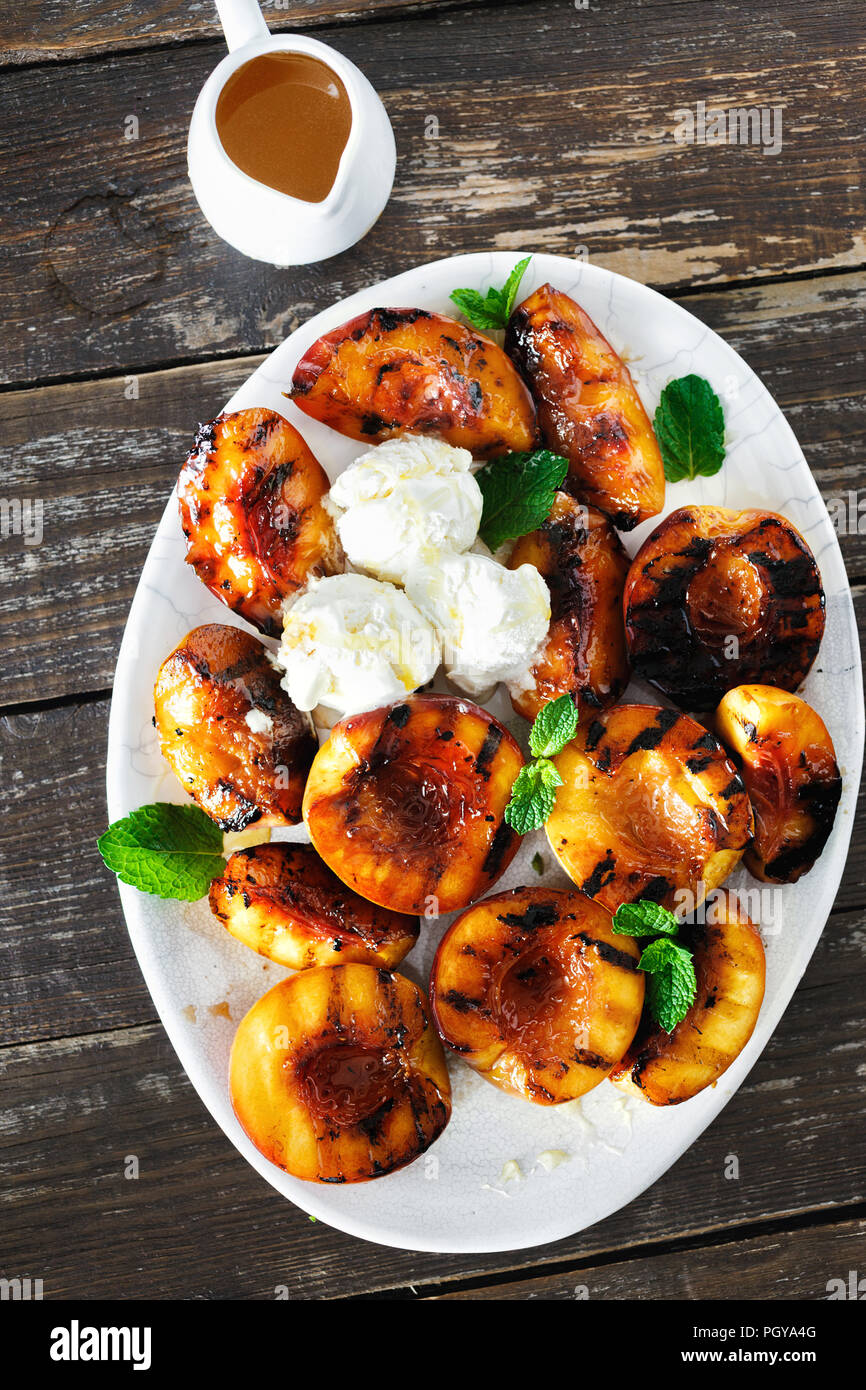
{"x":284,"y":119}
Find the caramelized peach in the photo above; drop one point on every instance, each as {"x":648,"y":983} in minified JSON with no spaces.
{"x":666,"y":1068}
{"x":788,"y":764}
{"x":716,"y":598}
{"x":250,"y":496}
{"x":337,"y":1074}
{"x":284,"y":902}
{"x":582,"y":560}
{"x":588,"y":407}
{"x":393,"y":370}
{"x":406,"y":803}
{"x":650,"y":807}
{"x":229,"y":732}
{"x":537,"y":993}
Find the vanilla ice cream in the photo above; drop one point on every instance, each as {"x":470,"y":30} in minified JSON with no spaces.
{"x":351,"y":643}
{"x":491,"y":620}
{"x":400,"y":505}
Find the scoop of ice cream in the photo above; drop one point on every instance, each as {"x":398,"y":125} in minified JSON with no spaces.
{"x":404,"y":503}
{"x":490,"y":620}
{"x":352,"y":643}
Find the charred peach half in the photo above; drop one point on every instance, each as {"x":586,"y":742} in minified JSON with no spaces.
{"x":537,"y":993}
{"x":393,"y":370}
{"x":337,"y":1074}
{"x":406,"y":803}
{"x":666,"y":1068}
{"x":229,"y":732}
{"x":650,"y":807}
{"x":717,"y":598}
{"x":788,"y":763}
{"x":588,"y":407}
{"x":283,"y":901}
{"x":250,"y":496}
{"x":583,"y":562}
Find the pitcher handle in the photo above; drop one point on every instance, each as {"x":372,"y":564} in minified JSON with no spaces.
{"x":242,"y":22}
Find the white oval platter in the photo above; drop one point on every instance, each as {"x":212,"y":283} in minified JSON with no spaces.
{"x":203,"y":981}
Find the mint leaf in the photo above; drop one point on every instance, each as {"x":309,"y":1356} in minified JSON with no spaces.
{"x":672,"y":984}
{"x":170,"y":851}
{"x":690,"y":427}
{"x":532,"y":796}
{"x":518,"y":492}
{"x":555,"y":726}
{"x":492,"y":310}
{"x":538,"y":863}
{"x":482,"y":313}
{"x":511,"y":286}
{"x":644,"y":918}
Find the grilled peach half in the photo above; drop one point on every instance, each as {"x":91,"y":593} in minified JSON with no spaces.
{"x":666,"y":1068}
{"x":393,"y":370}
{"x":588,"y":407}
{"x":717,"y":598}
{"x":535,"y":991}
{"x":229,"y":732}
{"x":283,"y":901}
{"x":250,"y":496}
{"x":788,"y":763}
{"x":583,"y":562}
{"x":406,"y":803}
{"x":337,"y":1074}
{"x":650,"y":807}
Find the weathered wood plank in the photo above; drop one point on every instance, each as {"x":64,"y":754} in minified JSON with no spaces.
{"x":103,"y":465}
{"x":107,"y":264}
{"x":33,"y":32}
{"x":798,"y":1264}
{"x":75,"y":1109}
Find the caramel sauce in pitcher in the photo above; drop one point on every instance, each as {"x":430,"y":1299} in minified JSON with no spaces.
{"x":284,"y":119}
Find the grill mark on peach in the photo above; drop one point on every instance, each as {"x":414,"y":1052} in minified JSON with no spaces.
{"x":610,"y":954}
{"x":487,"y":752}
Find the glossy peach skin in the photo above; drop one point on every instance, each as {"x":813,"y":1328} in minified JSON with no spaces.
{"x":250,"y":497}
{"x":283,"y":901}
{"x":667,"y":1068}
{"x":717,"y":598}
{"x":337,"y":1074}
{"x":204,"y":691}
{"x":583,"y":562}
{"x":588,"y":407}
{"x":650,"y":807}
{"x":535,"y":991}
{"x":788,"y":763}
{"x":406,"y":803}
{"x":390,"y":371}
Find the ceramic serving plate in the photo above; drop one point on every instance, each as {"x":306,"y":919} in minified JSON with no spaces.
{"x":606,"y":1149}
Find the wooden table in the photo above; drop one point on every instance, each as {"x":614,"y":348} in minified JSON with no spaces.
{"x":125,"y":321}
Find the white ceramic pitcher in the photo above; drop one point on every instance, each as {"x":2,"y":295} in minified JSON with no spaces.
{"x":260,"y":221}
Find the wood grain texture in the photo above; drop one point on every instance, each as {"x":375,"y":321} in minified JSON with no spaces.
{"x":103,"y":466}
{"x":555,"y":131}
{"x":33,"y":32}
{"x":75,"y":1108}
{"x":798,"y":1264}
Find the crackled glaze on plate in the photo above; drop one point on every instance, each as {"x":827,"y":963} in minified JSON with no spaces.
{"x":203,"y":981}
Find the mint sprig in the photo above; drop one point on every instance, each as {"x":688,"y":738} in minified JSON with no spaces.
{"x":555,"y":726}
{"x":689,"y":425}
{"x":669,"y":966}
{"x":167,"y":850}
{"x":492,"y":310}
{"x":533,"y":794}
{"x":518,"y":492}
{"x":644,"y":918}
{"x":672,"y":983}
